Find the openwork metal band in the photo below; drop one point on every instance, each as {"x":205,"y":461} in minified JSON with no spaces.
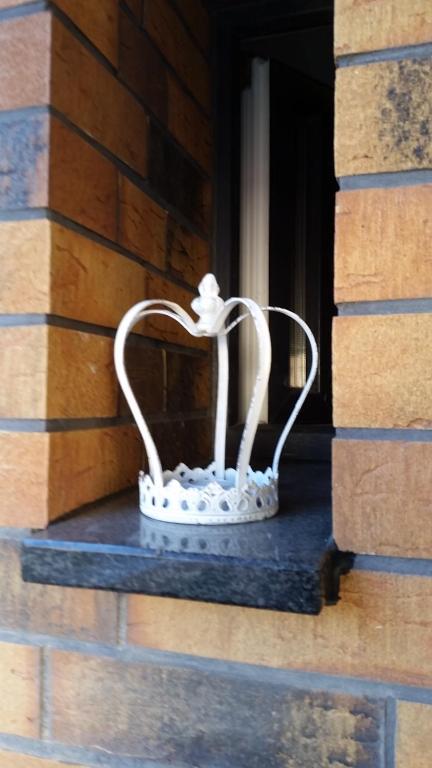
{"x":215,"y":494}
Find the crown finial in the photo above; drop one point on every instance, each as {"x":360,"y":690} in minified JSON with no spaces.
{"x":208,"y":304}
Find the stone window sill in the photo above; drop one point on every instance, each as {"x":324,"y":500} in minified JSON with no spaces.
{"x":288,"y":563}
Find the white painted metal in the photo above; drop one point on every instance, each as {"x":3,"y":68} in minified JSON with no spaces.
{"x":213,"y":495}
{"x":254,"y":218}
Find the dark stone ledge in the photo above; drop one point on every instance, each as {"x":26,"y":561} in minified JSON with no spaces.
{"x":288,"y":563}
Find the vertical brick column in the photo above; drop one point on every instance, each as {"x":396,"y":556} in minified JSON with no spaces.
{"x":104,"y":199}
{"x":383,"y":283}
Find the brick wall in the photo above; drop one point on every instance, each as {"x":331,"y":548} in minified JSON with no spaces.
{"x":105,"y":141}
{"x":100,"y":210}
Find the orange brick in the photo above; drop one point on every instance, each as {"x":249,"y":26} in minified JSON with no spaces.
{"x":82,"y":614}
{"x":19,"y":684}
{"x":188,"y":125}
{"x":380,"y":366}
{"x":91,"y":97}
{"x":23,"y":372}
{"x":24,"y":266}
{"x":142,"y":67}
{"x":98,"y":21}
{"x":379,"y":489}
{"x":162,"y":327}
{"x":414,"y":735}
{"x":135,"y":7}
{"x":364,"y":26}
{"x":166,"y":29}
{"x":188,"y":255}
{"x":374,"y":131}
{"x":24,"y":468}
{"x":373,"y":632}
{"x":188,"y":382}
{"x":88,"y":464}
{"x":142,"y":224}
{"x":25,"y":54}
{"x":83,"y":183}
{"x":146,"y":370}
{"x":197,"y":19}
{"x":383,"y":241}
{"x":19,"y":760}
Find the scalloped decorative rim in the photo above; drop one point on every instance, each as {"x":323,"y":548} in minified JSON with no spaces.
{"x":195,"y":496}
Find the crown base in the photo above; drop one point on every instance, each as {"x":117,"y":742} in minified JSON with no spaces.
{"x":198,"y":497}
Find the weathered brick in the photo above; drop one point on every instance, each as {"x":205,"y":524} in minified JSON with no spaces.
{"x":23,"y":372}
{"x":24,"y":266}
{"x":24,"y":165}
{"x":383,"y":241}
{"x":379,"y":489}
{"x":187,"y":254}
{"x":373,"y":632}
{"x":88,"y":464}
{"x":414,"y":735}
{"x":19,"y":684}
{"x":142,"y":224}
{"x":197,"y":19}
{"x":188,"y":382}
{"x":158,"y":712}
{"x":83,"y":183}
{"x":379,"y":365}
{"x":25,"y":54}
{"x":135,"y":6}
{"x":142,"y":68}
{"x":24,"y":455}
{"x":146,"y":370}
{"x":162,"y":327}
{"x":164,"y":26}
{"x":19,"y":760}
{"x":82,"y":614}
{"x":365,"y":26}
{"x":188,"y":125}
{"x":91,"y":97}
{"x":383,"y":117}
{"x":177,"y":180}
{"x":97,"y":21}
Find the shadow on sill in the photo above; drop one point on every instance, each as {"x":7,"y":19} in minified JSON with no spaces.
{"x":288,"y":563}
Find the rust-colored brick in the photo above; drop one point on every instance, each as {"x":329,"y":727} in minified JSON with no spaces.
{"x":414,"y":735}
{"x":383,"y":117}
{"x":364,"y":26}
{"x":381,"y":497}
{"x":23,"y":454}
{"x":142,"y":224}
{"x":373,"y":632}
{"x":19,"y":684}
{"x":97,"y":21}
{"x":380,"y":366}
{"x":383,"y":241}
{"x":188,"y":255}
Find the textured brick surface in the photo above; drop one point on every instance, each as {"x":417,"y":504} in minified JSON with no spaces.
{"x":146,"y":370}
{"x":23,"y":372}
{"x":364,"y":26}
{"x":19,"y":684}
{"x":196,"y":18}
{"x":91,"y":463}
{"x":381,"y":497}
{"x":188,"y":125}
{"x":380,"y":369}
{"x":414,"y":735}
{"x":187,"y":440}
{"x":193,"y":717}
{"x":26,"y":455}
{"x":93,"y":99}
{"x":24,"y":266}
{"x":166,"y":29}
{"x":23,"y":161}
{"x":19,"y":760}
{"x":83,"y":614}
{"x":373,"y":632}
{"x":188,"y":382}
{"x":163,"y":327}
{"x":188,"y":255}
{"x":97,"y":21}
{"x":142,"y":68}
{"x":383,"y":117}
{"x":135,"y":6}
{"x":25,"y":48}
{"x":83,"y":183}
{"x":142,"y":224}
{"x":383,"y":241}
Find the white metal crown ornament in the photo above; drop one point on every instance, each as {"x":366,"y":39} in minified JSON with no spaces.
{"x":215,"y":494}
